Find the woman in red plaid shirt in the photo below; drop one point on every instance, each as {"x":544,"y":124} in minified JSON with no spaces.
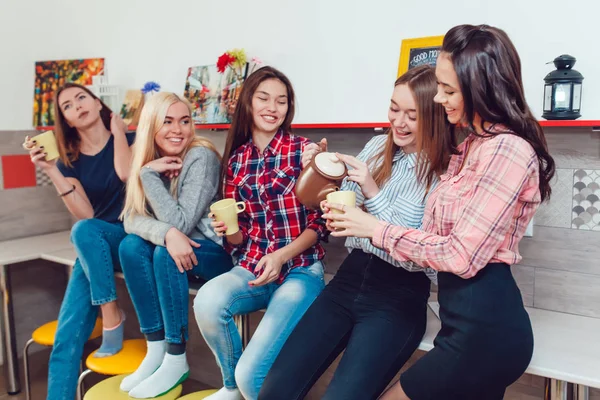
{"x":277,"y":247}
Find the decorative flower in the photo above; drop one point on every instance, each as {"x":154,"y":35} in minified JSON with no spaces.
{"x":150,"y":87}
{"x":234,"y":59}
{"x":240,"y":58}
{"x":256,"y":63}
{"x":226,"y":60}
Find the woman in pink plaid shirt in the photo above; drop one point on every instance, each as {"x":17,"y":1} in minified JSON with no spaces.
{"x":473,"y":223}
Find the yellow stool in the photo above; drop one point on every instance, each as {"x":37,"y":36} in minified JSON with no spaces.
{"x":124,"y":362}
{"x":109,"y":389}
{"x":199,"y":395}
{"x":44,"y":335}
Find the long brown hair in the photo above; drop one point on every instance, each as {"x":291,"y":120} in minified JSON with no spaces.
{"x":434,"y":144}
{"x":489,"y":73}
{"x":242,"y":122}
{"x":67,"y":137}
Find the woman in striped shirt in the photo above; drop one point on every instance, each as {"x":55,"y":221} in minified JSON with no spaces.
{"x":375,"y":307}
{"x":473,"y":223}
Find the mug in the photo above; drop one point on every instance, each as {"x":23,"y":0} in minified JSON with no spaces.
{"x":47,"y":140}
{"x":345,"y":197}
{"x":226,"y":210}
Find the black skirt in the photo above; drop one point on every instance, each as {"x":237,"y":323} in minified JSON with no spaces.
{"x":485,"y":344}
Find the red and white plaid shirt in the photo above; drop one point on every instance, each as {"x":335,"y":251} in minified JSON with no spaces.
{"x":476,"y":215}
{"x":274,"y":217}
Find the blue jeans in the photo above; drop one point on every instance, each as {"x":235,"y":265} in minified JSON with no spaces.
{"x":158,"y":290}
{"x":92,"y":283}
{"x":228,"y":295}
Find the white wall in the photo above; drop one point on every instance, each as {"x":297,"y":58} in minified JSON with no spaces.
{"x":341,"y":55}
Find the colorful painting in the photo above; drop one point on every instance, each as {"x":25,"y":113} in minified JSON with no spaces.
{"x":50,"y":75}
{"x":213,"y":95}
{"x":132,"y":106}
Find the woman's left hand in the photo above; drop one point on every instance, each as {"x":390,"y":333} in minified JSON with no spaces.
{"x":360,"y":174}
{"x":353,"y":222}
{"x":270,"y":265}
{"x":117,"y":125}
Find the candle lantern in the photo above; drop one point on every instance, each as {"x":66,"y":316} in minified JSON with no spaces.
{"x":562,"y":90}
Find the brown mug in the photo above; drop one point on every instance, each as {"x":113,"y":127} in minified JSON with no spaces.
{"x":323,"y":175}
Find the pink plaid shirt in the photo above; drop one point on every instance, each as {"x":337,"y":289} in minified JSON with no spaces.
{"x":476,"y":215}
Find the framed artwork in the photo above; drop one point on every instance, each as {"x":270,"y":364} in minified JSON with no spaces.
{"x":50,"y":75}
{"x":419,"y":51}
{"x":213,"y":95}
{"x":132,"y":106}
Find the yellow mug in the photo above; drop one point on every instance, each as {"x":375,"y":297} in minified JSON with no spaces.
{"x":48,"y":141}
{"x":226,"y":210}
{"x":345,"y":197}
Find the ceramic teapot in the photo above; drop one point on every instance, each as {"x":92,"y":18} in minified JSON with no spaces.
{"x":323,"y":175}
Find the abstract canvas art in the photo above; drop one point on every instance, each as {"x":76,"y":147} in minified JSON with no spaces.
{"x":50,"y":75}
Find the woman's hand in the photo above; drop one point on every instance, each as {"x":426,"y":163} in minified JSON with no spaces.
{"x":353,"y":222}
{"x":180,"y":249}
{"x":269,"y":268}
{"x":312,"y":150}
{"x":360,"y":174}
{"x":38,"y":155}
{"x":117,"y":125}
{"x":218,"y":226}
{"x":170,"y":166}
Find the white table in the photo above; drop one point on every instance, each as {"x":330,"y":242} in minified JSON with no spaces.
{"x":566,"y":349}
{"x":11,"y":252}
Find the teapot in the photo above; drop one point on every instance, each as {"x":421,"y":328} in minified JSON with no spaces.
{"x":323,"y":175}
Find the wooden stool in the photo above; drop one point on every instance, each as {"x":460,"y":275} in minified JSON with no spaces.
{"x":199,"y":395}
{"x":124,"y":362}
{"x":109,"y":389}
{"x":44,"y":335}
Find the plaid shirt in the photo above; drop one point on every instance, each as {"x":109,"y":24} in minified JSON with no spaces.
{"x":274,"y":217}
{"x":477,"y":214}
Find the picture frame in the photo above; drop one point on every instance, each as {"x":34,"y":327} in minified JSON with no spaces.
{"x":419,"y":51}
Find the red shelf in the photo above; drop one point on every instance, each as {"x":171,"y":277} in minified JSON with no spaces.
{"x":573,"y":123}
{"x":366,"y":125}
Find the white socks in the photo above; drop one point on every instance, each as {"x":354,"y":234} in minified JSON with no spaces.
{"x":154,"y":358}
{"x":173,"y":370}
{"x":226,"y":394}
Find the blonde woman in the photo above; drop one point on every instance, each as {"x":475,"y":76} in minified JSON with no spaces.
{"x":174,"y":177}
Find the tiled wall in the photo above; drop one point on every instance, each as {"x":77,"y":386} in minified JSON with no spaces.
{"x":561,"y":262}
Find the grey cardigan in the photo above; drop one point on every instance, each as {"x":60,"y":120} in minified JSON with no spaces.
{"x":197,"y":190}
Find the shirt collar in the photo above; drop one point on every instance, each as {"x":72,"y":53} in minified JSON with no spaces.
{"x":274,"y":146}
{"x":411,"y":159}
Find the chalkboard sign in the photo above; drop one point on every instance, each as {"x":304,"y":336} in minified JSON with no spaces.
{"x":423,"y":56}
{"x":419,"y":51}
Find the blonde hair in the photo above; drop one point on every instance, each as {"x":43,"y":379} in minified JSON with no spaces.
{"x":145,"y":150}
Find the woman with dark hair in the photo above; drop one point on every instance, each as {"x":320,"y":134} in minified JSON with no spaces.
{"x":89,"y":177}
{"x":277,"y":246}
{"x":473,"y":223}
{"x":375,"y":308}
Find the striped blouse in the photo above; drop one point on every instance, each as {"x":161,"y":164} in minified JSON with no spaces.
{"x":400,"y":201}
{"x":477,"y":214}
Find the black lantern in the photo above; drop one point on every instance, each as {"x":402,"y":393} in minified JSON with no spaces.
{"x":562,"y":90}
